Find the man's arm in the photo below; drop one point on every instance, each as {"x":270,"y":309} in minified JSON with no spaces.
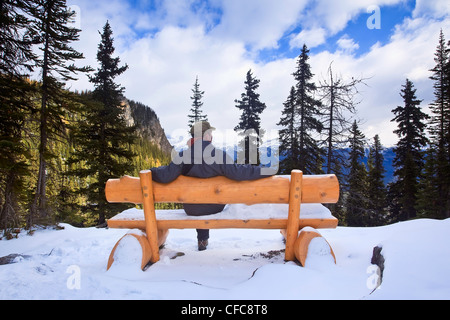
{"x":166,"y":174}
{"x":241,"y":172}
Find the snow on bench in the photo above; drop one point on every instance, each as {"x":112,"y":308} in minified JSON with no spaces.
{"x":233,"y":211}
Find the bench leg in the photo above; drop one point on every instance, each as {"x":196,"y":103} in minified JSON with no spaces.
{"x":302,"y":244}
{"x":295,"y":199}
{"x":149,"y":212}
{"x":162,"y":236}
{"x":145,"y":246}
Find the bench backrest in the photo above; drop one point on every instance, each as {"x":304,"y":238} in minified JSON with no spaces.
{"x":221,"y":190}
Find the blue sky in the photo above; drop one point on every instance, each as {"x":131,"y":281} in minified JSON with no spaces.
{"x":356,"y":28}
{"x":168,"y":43}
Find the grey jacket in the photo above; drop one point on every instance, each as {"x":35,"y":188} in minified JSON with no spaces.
{"x":210,"y":162}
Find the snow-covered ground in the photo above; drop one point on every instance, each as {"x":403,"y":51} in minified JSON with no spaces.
{"x":239,"y":264}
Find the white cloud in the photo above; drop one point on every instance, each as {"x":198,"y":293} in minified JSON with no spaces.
{"x":175,"y":13}
{"x":260,"y":23}
{"x":347,"y":44}
{"x":312,"y":38}
{"x":433,"y":8}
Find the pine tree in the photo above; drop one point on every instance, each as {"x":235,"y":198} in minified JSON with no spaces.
{"x":289,"y":136}
{"x":50,"y":18}
{"x":250,"y":123}
{"x":439,"y":128}
{"x":16,"y":59}
{"x":196,"y":111}
{"x":309,"y":154}
{"x":356,"y":195}
{"x":408,"y":161}
{"x":429,"y":203}
{"x":103,"y":137}
{"x":16,"y":56}
{"x":376,"y":192}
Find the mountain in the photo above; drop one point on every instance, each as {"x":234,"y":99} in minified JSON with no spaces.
{"x":148,"y":125}
{"x":388,"y":154}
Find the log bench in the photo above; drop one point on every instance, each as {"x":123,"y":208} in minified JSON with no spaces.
{"x":292,"y":190}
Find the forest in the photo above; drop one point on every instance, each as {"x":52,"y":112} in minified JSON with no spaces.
{"x":58,"y":148}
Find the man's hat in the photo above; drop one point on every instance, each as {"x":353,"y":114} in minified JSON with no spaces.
{"x":201,"y":126}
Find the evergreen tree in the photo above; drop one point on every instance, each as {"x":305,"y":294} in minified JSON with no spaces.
{"x":408,"y":161}
{"x":376,"y":192}
{"x":103,"y":138}
{"x":439,"y":128}
{"x":288,"y":135}
{"x":309,"y":154}
{"x":250,"y":123}
{"x":16,"y":37}
{"x":429,"y":203}
{"x":50,"y":18}
{"x":196,"y":112}
{"x":16,"y":59}
{"x":356,"y":195}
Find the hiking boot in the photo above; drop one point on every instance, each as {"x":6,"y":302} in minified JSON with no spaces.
{"x":202,"y":244}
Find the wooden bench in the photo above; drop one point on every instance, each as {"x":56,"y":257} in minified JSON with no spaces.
{"x":292,"y":190}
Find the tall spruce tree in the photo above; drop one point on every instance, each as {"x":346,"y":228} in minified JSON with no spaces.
{"x":250,"y":123}
{"x":51,"y":31}
{"x":197,"y":103}
{"x":356,"y":195}
{"x":309,"y":157}
{"x":16,"y":37}
{"x":439,"y":129}
{"x":429,"y":203}
{"x":16,"y":59}
{"x":376,"y":189}
{"x":103,"y":137}
{"x":289,"y":135}
{"x":409,"y":154}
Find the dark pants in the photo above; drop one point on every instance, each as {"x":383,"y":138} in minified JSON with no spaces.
{"x":202,"y":234}
{"x":202,"y":210}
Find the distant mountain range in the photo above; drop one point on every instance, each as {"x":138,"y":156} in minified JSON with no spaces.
{"x":179,"y":143}
{"x":388,"y":154}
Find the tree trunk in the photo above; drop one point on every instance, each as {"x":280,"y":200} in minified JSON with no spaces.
{"x":39,"y":206}
{"x":330,"y":132}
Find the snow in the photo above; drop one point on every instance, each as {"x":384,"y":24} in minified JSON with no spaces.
{"x":236,"y":211}
{"x":238,"y":264}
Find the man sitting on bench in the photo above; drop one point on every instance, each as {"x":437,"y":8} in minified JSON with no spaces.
{"x":203,"y":160}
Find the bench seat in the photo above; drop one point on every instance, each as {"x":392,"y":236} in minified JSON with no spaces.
{"x":258,"y":216}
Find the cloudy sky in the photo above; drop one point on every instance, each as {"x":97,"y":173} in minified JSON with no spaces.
{"x":167,"y":43}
